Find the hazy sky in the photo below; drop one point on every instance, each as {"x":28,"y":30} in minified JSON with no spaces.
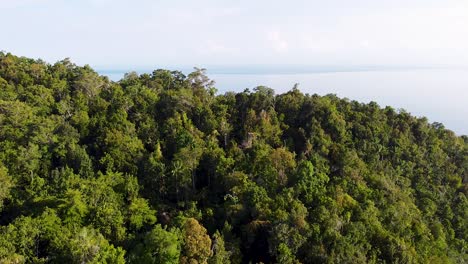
{"x":144,"y":33}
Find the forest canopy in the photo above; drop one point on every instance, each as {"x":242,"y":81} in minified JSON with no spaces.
{"x":161,"y":168}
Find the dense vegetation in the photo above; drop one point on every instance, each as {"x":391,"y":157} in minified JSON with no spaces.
{"x":159,"y":168}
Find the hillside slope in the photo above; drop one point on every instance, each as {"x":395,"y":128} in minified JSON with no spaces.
{"x":159,"y":168}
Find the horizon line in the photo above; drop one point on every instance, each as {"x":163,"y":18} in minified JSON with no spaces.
{"x":260,"y":69}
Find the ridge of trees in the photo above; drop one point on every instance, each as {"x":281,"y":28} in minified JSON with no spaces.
{"x":160,"y":168}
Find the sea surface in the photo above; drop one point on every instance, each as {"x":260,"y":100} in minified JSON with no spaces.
{"x":441,"y":95}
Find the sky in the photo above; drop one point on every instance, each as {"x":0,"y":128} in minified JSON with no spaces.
{"x":148,"y":33}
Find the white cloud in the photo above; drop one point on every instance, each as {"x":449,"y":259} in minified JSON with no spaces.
{"x":365,"y":43}
{"x":213,"y":47}
{"x":277,"y":42}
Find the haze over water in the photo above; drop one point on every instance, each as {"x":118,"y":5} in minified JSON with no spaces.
{"x":441,"y":95}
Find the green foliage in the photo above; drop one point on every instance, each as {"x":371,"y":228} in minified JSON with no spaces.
{"x":147,"y":169}
{"x":5,"y":185}
{"x":73,"y":208}
{"x":159,"y":246}
{"x":196,"y":243}
{"x":87,"y":246}
{"x":220,"y":254}
{"x":140,"y":213}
